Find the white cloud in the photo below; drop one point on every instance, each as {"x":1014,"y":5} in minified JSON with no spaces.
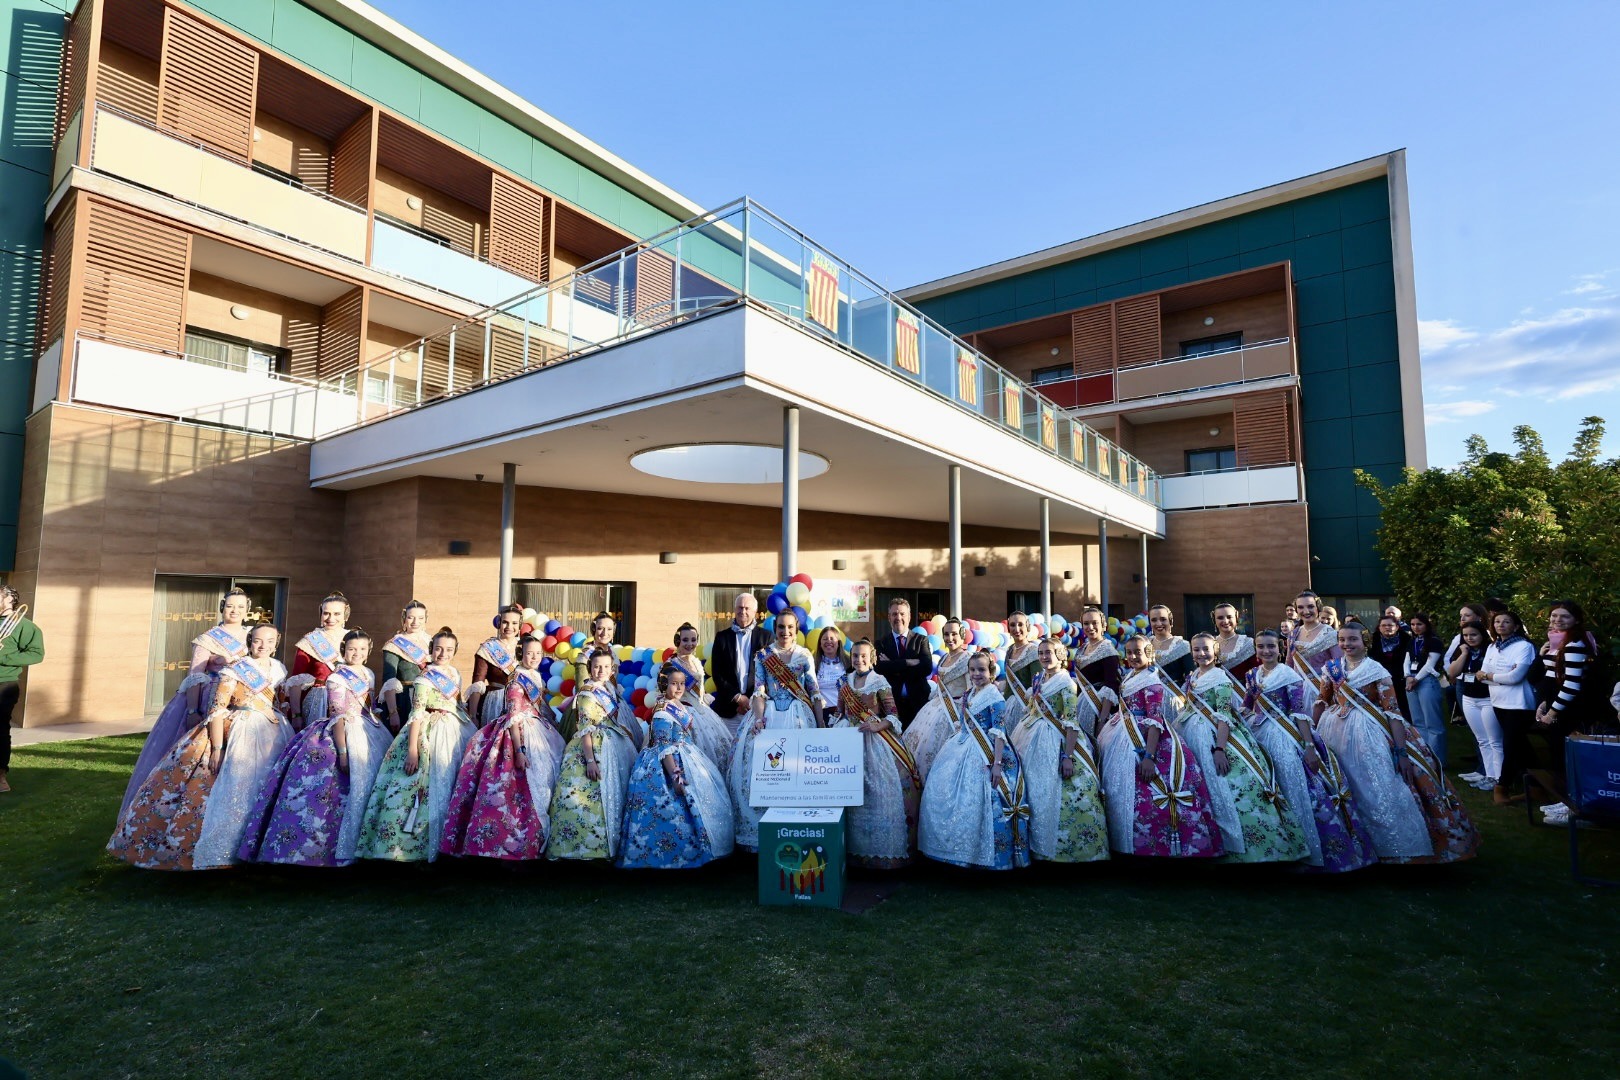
{"x":1449,"y":412}
{"x":1594,"y":286}
{"x":1441,"y":334}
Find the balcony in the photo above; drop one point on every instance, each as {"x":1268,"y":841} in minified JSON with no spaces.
{"x":406,"y":253}
{"x":1237,"y":487}
{"x":1262,"y":360}
{"x":133,"y":150}
{"x":193,"y":388}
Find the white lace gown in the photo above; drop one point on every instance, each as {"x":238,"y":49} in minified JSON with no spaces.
{"x":368,"y":741}
{"x":1287,"y":755}
{"x":877,"y":829}
{"x":254,"y":743}
{"x":1385,"y":803}
{"x":960,"y":807}
{"x":932,"y":724}
{"x":709,"y":733}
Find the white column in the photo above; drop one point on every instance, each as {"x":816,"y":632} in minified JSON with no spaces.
{"x":1046,"y":556}
{"x":1145,"y":600}
{"x":508,"y":512}
{"x":1102,"y":560}
{"x":790,"y":491}
{"x":956,"y":540}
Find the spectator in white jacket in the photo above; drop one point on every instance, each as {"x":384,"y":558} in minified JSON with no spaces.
{"x":1507,"y":670}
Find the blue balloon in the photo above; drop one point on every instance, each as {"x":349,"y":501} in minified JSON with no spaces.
{"x":803,"y":616}
{"x":776,"y":603}
{"x":769,"y":623}
{"x":578,"y":639}
{"x":552,"y":626}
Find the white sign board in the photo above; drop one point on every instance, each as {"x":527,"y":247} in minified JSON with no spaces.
{"x":808,"y":767}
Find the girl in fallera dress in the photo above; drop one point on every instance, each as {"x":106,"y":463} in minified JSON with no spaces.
{"x":1174,"y":655}
{"x":211,"y":652}
{"x":975,"y":809}
{"x":677,"y":812}
{"x":587,"y":810}
{"x":1314,"y":643}
{"x":501,"y":805}
{"x":932,"y":724}
{"x":1059,"y":759}
{"x":315,"y":787}
{"x":785,"y":696}
{"x":1404,"y":797}
{"x":1277,"y":701}
{"x":164,"y":824}
{"x":1023,"y":659}
{"x":314,"y":657}
{"x":1158,"y":802}
{"x":882,"y":832}
{"x":1098,"y":658}
{"x":1236,"y":650}
{"x":709,"y":732}
{"x":831,"y":666}
{"x":405,"y":815}
{"x":493,"y":665}
{"x":403,"y":657}
{"x":1256,"y":822}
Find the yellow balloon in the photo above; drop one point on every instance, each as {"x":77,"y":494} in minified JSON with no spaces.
{"x":623,"y":652}
{"x":708,"y":686}
{"x":797,"y":594}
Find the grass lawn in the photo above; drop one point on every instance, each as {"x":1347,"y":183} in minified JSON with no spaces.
{"x":1500,"y":967}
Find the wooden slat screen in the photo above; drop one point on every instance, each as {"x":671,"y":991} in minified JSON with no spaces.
{"x":506,"y":351}
{"x":585,"y":236}
{"x":125,"y":88}
{"x":1261,"y":429}
{"x":435,"y":367}
{"x":654,"y":295}
{"x":207,"y":86}
{"x":1091,"y":332}
{"x":75,"y":68}
{"x":135,"y":273}
{"x":351,"y":163}
{"x":1136,"y":330}
{"x":517,"y":228}
{"x":341,"y":321}
{"x":54,"y":287}
{"x":303,"y":342}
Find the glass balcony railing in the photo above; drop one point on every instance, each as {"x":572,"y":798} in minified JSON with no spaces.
{"x":740,"y":254}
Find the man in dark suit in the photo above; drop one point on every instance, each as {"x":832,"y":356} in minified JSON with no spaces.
{"x":732,"y":661}
{"x":905,"y":660}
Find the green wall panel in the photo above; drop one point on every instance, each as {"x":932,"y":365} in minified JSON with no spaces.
{"x":506,"y":144}
{"x":387,"y":80}
{"x":314,"y":39}
{"x":450,"y":114}
{"x":1339,"y":246}
{"x":562,"y":172}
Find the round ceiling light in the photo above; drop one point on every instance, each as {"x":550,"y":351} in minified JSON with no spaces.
{"x":724,"y":463}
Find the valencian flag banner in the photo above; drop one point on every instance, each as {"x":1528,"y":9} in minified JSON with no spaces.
{"x":907,"y":343}
{"x":967,"y":377}
{"x":1048,"y":428}
{"x":1012,"y":411}
{"x":823,"y":291}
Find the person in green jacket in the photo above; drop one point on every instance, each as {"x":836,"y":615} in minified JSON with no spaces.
{"x":21,"y":644}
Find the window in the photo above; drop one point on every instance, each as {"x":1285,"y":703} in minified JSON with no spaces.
{"x":925,"y":604}
{"x":715,"y":606}
{"x":1205,"y":346}
{"x":1197,"y":607}
{"x":235,"y":354}
{"x":1027,"y":602}
{"x":1368,"y":609}
{"x":184,"y":607}
{"x":1214,"y":459}
{"x":1055,"y":373}
{"x":576,"y":603}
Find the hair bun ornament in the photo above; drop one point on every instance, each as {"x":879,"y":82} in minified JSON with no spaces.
{"x":445,"y":630}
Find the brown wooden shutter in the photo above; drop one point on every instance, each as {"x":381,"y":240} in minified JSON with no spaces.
{"x":125,"y":88}
{"x":435,"y":366}
{"x":207,"y":85}
{"x":1261,"y":428}
{"x":1136,"y":330}
{"x":341,"y":321}
{"x":75,"y":69}
{"x":1092,"y":335}
{"x":135,"y":272}
{"x":54,"y":286}
{"x":517,"y":228}
{"x":654,"y":297}
{"x":351,"y":163}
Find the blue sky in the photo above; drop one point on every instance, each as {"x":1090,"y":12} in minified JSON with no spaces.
{"x":920,"y":139}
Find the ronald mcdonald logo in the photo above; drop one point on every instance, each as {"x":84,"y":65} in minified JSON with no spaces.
{"x":776,"y":756}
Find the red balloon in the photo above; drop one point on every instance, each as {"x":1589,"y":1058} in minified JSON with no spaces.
{"x":527,"y":628}
{"x":669,"y":654}
{"x":804,"y":579}
{"x":638,"y":698}
{"x":645,"y":712}
{"x":548,"y":643}
{"x":567,"y":688}
{"x":564,"y":633}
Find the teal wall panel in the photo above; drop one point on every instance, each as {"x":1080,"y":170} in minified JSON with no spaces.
{"x":30,"y":67}
{"x":307,"y":36}
{"x":1340,"y":248}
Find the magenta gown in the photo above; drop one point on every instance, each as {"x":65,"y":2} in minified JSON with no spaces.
{"x":497,"y":809}
{"x":1168,"y":817}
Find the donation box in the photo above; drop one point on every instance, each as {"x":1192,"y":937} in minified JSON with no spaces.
{"x":801,"y":857}
{"x":806,"y":778}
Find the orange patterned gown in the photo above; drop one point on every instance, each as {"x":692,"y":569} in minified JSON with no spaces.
{"x":159,"y":831}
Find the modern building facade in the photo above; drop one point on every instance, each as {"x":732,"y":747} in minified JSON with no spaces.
{"x":306,"y":304}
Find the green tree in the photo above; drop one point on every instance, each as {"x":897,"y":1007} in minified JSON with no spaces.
{"x":1514,"y":526}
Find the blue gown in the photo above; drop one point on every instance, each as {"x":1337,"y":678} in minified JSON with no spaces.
{"x":965,"y":820}
{"x":663,"y":830}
